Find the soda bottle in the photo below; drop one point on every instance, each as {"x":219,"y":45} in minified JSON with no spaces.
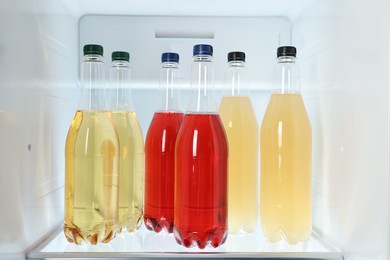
{"x":91,"y":160}
{"x":285,"y":162}
{"x":160,"y":150}
{"x":201,"y":163}
{"x":242,"y":131}
{"x":132,"y":158}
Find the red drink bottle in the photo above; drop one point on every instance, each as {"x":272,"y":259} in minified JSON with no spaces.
{"x":201,"y":163}
{"x":160,"y":151}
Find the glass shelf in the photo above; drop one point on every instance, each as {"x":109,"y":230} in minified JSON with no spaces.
{"x":147,"y":244}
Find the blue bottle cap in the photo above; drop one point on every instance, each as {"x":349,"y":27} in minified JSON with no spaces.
{"x":169,"y":57}
{"x":203,"y":49}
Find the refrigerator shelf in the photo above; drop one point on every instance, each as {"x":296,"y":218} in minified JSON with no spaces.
{"x":146,"y":244}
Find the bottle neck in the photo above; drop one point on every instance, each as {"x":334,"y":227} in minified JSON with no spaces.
{"x":286,"y":76}
{"x":92,"y":83}
{"x":169,"y":100}
{"x":202,"y":98}
{"x":203,"y":58}
{"x":120,"y":97}
{"x":169,"y":65}
{"x":286,"y":59}
{"x":236,"y":63}
{"x":235,"y":81}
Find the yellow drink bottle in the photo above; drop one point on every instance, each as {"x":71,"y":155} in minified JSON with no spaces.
{"x":239,"y":120}
{"x":131,"y":158}
{"x":91,"y":161}
{"x":285,"y":161}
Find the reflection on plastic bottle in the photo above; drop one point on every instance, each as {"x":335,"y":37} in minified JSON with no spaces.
{"x":165,"y":242}
{"x":160,"y":242}
{"x":101,"y":247}
{"x":127,"y":242}
{"x":243,"y":242}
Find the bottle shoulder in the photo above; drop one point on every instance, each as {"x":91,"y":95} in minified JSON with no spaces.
{"x":287,"y":109}
{"x":90,"y":132}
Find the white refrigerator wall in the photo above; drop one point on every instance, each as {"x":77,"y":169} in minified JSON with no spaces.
{"x":343,"y":52}
{"x":38,"y":64}
{"x":345,"y":70}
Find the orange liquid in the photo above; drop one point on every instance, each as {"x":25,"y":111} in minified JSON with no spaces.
{"x":242,"y":131}
{"x":285,"y":170}
{"x":131,"y":170}
{"x":91,"y":178}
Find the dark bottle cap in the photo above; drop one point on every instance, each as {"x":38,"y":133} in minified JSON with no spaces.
{"x":120,"y":55}
{"x":203,"y":49}
{"x":169,"y":57}
{"x":236,"y":55}
{"x":93,"y":49}
{"x":287,"y":51}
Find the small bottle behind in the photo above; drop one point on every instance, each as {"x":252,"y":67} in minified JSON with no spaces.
{"x":131,"y":160}
{"x":285,"y":162}
{"x":91,"y":160}
{"x":242,"y":130}
{"x":201,"y":163}
{"x":160,"y":150}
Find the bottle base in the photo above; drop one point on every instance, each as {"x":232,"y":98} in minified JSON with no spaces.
{"x":156,"y":225}
{"x":214,"y":237}
{"x":246,"y":228}
{"x":292,"y":239}
{"x":78,"y":237}
{"x":130,"y":226}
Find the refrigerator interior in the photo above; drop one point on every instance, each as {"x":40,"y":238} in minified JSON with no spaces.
{"x":343,"y":54}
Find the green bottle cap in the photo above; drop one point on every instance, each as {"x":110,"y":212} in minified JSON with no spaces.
{"x":120,"y":55}
{"x":93,"y":49}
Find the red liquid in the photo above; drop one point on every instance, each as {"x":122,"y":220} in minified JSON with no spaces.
{"x":201,"y":181}
{"x":160,"y":170}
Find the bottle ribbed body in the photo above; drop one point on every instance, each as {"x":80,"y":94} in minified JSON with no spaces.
{"x":201,"y":163}
{"x":239,"y":120}
{"x":160,"y":150}
{"x":132,"y":156}
{"x":285,"y":173}
{"x":91,"y":161}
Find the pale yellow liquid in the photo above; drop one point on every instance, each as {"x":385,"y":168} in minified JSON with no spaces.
{"x":131,"y":170}
{"x":242,"y":130}
{"x":285,"y":170}
{"x":91,"y":178}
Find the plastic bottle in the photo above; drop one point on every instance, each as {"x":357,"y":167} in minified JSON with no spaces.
{"x":160,"y":150}
{"x":132,"y":157}
{"x":242,"y":131}
{"x":285,"y":162}
{"x":201,"y":163}
{"x":91,"y":160}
